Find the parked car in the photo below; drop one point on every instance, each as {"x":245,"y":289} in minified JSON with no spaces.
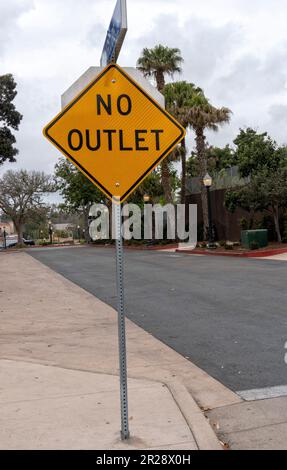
{"x":12,"y":242}
{"x":28,"y":242}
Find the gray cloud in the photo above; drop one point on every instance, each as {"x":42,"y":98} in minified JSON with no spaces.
{"x":234,"y":49}
{"x":245,"y":82}
{"x":96,"y":35}
{"x":278,"y":112}
{"x":10,"y":12}
{"x":203,"y":45}
{"x":252,"y":76}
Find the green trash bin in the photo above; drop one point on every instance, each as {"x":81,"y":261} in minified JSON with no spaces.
{"x":258,"y":236}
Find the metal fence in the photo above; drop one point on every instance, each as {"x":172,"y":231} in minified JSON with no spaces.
{"x":227,"y":178}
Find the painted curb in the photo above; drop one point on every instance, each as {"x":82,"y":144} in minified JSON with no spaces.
{"x":247,"y":254}
{"x":198,"y":424}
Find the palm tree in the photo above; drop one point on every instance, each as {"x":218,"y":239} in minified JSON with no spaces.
{"x":157,"y":63}
{"x":179,"y":98}
{"x":202,"y":115}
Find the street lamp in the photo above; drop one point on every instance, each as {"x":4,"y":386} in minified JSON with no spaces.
{"x":146,"y":198}
{"x":51,"y":232}
{"x":207,"y":181}
{"x":79,"y":233}
{"x":4,"y":238}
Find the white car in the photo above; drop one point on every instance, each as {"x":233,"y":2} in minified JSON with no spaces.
{"x":12,"y":240}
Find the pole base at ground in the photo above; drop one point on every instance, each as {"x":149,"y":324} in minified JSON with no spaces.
{"x":125,"y":436}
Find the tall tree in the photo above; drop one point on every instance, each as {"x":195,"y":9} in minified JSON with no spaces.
{"x":21,"y":196}
{"x":151,"y":187}
{"x":265,"y":164}
{"x":157,"y":63}
{"x":220,"y":158}
{"x":255,"y":151}
{"x":201,"y":116}
{"x":217,"y":159}
{"x":78,"y":191}
{"x":179,"y":98}
{"x":10,"y":118}
{"x":266,"y":191}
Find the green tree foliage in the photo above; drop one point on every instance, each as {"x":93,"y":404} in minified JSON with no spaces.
{"x":21,"y":196}
{"x":151,"y":186}
{"x":158,"y":62}
{"x":190,"y":106}
{"x":78,"y":191}
{"x":201,"y":116}
{"x":255,"y":151}
{"x":9,"y":118}
{"x":37,"y":221}
{"x":192,"y":168}
{"x":246,"y":198}
{"x":267,"y":191}
{"x":217,"y":159}
{"x":220,"y":158}
{"x":259,"y":158}
{"x":59,"y":214}
{"x":179,"y":98}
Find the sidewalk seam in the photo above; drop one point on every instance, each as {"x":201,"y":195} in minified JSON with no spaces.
{"x":251,"y":429}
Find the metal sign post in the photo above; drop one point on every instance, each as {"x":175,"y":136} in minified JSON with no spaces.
{"x":115,"y":133}
{"x":116,"y":34}
{"x":117,"y":210}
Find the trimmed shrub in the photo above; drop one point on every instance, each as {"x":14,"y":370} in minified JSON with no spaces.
{"x":228,"y":246}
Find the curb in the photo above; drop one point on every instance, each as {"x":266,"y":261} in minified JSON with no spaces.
{"x":198,"y":424}
{"x":153,"y":248}
{"x":247,"y":254}
{"x":140,"y":247}
{"x":90,"y":245}
{"x":54,"y":245}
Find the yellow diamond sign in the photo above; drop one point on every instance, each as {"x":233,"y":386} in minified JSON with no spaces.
{"x":114,"y":132}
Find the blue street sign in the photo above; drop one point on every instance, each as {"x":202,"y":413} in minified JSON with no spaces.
{"x":116,"y":34}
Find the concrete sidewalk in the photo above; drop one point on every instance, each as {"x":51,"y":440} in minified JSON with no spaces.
{"x":59,"y":372}
{"x":44,"y":407}
{"x":282,"y":257}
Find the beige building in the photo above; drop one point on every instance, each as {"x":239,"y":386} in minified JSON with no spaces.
{"x":8,"y":227}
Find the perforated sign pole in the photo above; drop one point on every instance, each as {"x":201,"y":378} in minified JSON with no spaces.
{"x":118,"y":27}
{"x":116,"y":134}
{"x":117,"y":209}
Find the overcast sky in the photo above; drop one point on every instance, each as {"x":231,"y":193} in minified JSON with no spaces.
{"x":236,"y":50}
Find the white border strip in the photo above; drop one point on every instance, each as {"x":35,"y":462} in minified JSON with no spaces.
{"x":262,"y":393}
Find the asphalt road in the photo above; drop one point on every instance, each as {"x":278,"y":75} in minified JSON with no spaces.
{"x":226,"y":315}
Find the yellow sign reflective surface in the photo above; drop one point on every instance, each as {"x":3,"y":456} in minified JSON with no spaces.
{"x":115,"y":133}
